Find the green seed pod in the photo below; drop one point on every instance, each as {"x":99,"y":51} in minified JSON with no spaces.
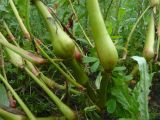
{"x":14,"y":58}
{"x":148,"y":51}
{"x":63,"y":45}
{"x":106,"y":50}
{"x":154,"y":2}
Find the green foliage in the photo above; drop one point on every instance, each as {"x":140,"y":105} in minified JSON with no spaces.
{"x":134,"y":101}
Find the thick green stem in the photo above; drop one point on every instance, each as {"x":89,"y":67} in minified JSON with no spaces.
{"x":82,"y":78}
{"x":22,"y":104}
{"x":69,"y":114}
{"x":78,"y":72}
{"x":106,"y":78}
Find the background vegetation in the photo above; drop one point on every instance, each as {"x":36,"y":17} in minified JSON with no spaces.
{"x":126,"y":94}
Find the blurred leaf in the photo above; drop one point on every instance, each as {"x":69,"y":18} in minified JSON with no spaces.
{"x":90,"y":108}
{"x":3,"y":96}
{"x":119,"y":68}
{"x":98,"y":81}
{"x":111,"y":105}
{"x":128,"y":77}
{"x":87,"y":59}
{"x":3,"y":8}
{"x":95,"y":66}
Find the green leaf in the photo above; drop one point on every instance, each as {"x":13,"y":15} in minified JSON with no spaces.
{"x":3,"y":8}
{"x":3,"y":96}
{"x":119,"y":68}
{"x":95,"y":66}
{"x":123,"y":95}
{"x":128,"y":77}
{"x":87,"y":59}
{"x":111,"y":105}
{"x":141,"y":90}
{"x":119,"y":93}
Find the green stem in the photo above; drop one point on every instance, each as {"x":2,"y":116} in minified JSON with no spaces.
{"x":22,"y":104}
{"x":8,"y":31}
{"x":115,"y":29}
{"x":78,"y":72}
{"x":11,"y":36}
{"x":106,"y":78}
{"x":28,"y":16}
{"x":60,"y":70}
{"x":69,"y":114}
{"x":158,"y":34}
{"x":27,"y":55}
{"x":80,"y":24}
{"x":82,"y":78}
{"x":131,"y":33}
{"x":7,"y":115}
{"x":50,"y":83}
{"x":107,"y":10}
{"x":25,"y":31}
{"x":45,"y":79}
{"x":157,"y":49}
{"x":2,"y":63}
{"x":53,"y":84}
{"x":10,"y":116}
{"x":75,"y":68}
